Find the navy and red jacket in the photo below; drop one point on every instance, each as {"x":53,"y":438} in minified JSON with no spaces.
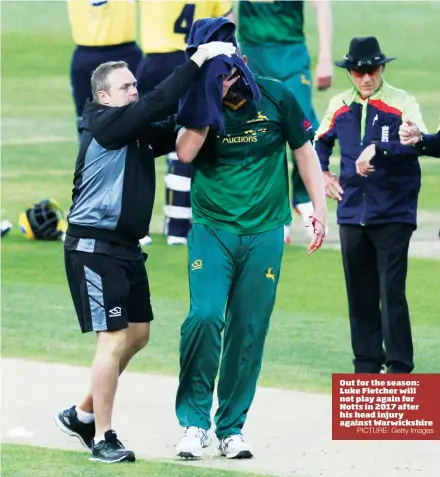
{"x":390,"y":193}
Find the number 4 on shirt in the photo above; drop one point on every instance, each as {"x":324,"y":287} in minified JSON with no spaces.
{"x":185,"y":20}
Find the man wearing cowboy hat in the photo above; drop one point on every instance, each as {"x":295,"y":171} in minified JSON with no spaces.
{"x":377,"y":193}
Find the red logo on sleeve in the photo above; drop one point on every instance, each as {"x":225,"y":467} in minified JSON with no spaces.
{"x":307,"y":124}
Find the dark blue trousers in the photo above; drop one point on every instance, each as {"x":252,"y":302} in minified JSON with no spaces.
{"x":152,"y":70}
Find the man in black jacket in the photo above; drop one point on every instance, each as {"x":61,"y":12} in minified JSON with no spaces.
{"x":113,"y":196}
{"x":427,"y":144}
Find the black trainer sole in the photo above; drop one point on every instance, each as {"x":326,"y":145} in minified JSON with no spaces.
{"x":188,"y":455}
{"x":122,"y":459}
{"x":242,"y":455}
{"x":69,"y":432}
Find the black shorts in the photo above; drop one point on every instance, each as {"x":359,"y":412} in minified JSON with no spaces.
{"x":108,"y":292}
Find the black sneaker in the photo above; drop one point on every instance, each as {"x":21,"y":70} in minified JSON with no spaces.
{"x":111,"y":450}
{"x":69,"y":423}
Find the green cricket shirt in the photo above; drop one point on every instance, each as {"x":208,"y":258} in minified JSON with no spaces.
{"x":271,"y":22}
{"x":244,"y":189}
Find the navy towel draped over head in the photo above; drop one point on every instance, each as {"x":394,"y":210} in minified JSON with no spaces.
{"x":202,"y":104}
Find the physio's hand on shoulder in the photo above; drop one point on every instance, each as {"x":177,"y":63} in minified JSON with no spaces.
{"x":216,"y":48}
{"x":333,"y":190}
{"x":409,"y":133}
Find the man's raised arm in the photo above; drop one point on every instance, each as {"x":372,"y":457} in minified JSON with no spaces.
{"x":116,"y":127}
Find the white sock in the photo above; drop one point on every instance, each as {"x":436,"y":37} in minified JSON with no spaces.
{"x":97,"y":440}
{"x":83,"y":416}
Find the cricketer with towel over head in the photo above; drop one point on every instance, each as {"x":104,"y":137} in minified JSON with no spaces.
{"x":234,"y":130}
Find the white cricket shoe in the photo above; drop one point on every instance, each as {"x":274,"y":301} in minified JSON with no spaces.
{"x":176,"y":240}
{"x":146,"y":240}
{"x":192,"y":443}
{"x":234,"y":447}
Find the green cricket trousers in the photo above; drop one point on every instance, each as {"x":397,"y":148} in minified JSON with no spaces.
{"x":233,"y":281}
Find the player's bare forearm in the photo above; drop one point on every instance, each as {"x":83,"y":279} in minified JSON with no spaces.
{"x":324,"y":67}
{"x":311,"y":174}
{"x":325,"y":28}
{"x":189,"y":142}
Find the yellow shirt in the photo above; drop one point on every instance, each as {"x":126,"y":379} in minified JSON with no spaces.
{"x":102,"y":22}
{"x":165,"y":24}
